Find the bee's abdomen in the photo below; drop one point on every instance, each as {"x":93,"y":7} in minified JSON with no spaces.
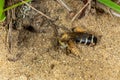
{"x":87,"y":39}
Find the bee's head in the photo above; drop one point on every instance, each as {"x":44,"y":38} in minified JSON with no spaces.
{"x":95,"y":40}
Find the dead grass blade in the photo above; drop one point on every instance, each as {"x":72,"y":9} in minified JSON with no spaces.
{"x":81,"y":11}
{"x":4,"y":42}
{"x":64,"y":5}
{"x":9,"y":36}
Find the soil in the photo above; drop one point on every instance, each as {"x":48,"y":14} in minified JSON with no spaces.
{"x":34,"y":54}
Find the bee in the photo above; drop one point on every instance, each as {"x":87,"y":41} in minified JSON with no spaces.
{"x":70,"y":39}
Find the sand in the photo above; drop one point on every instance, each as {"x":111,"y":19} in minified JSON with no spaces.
{"x":37,"y":59}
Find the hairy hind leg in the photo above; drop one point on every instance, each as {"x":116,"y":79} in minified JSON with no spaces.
{"x":73,"y":48}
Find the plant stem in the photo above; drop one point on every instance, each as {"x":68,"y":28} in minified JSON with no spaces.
{"x":38,"y":11}
{"x":15,"y":5}
{"x":110,"y":4}
{"x":63,"y":4}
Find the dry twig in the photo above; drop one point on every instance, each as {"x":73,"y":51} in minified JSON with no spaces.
{"x":80,"y":11}
{"x":63,"y":4}
{"x":115,"y":13}
{"x":10,"y":17}
{"x":4,"y":42}
{"x":9,"y":36}
{"x":38,"y":11}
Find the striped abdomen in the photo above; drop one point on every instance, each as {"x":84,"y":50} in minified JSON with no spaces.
{"x":85,"y":38}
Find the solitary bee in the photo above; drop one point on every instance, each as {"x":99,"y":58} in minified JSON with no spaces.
{"x":69,"y":39}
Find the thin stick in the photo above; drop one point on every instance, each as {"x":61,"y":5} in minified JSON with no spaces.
{"x":38,"y":11}
{"x":10,"y":35}
{"x":114,"y":13}
{"x":5,"y":44}
{"x":80,"y":11}
{"x":63,"y":4}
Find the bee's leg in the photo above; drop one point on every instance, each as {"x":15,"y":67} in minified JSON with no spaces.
{"x":62,"y":44}
{"x":73,"y":48}
{"x":64,"y":37}
{"x":78,"y":29}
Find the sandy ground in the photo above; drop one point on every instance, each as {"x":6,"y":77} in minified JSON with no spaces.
{"x":38,"y":60}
